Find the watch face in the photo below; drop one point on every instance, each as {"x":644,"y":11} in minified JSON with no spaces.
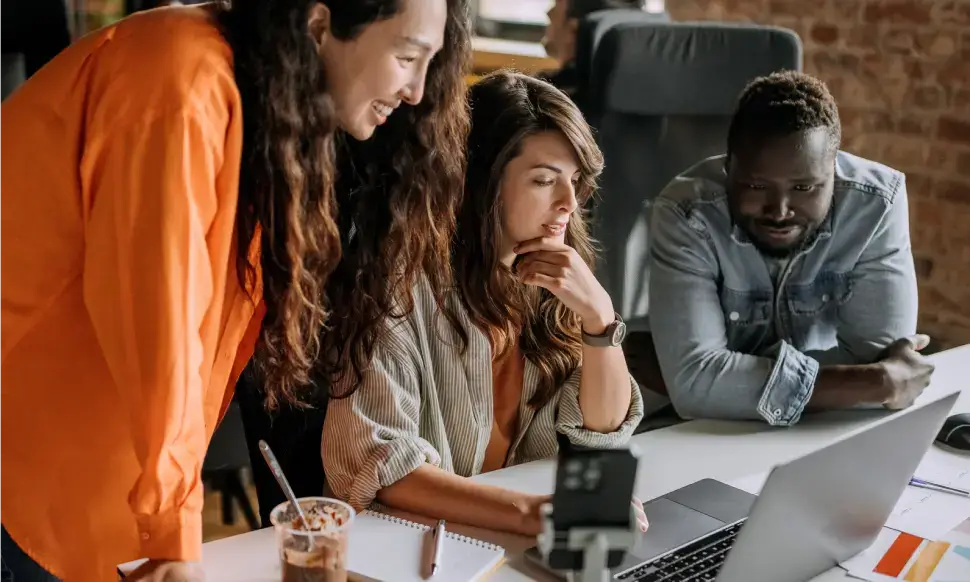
{"x":619,"y":333}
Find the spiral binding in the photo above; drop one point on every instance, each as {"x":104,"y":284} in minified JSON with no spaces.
{"x":425,"y":528}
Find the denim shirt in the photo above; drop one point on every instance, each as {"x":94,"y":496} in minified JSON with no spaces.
{"x":735,"y":343}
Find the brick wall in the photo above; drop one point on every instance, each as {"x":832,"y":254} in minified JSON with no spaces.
{"x":900,"y":70}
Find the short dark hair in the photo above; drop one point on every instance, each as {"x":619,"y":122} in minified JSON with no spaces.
{"x":783,"y":103}
{"x":580,"y":8}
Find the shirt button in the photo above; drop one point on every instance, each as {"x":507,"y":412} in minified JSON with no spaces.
{"x":777,"y":413}
{"x":145,"y":535}
{"x":734,"y":316}
{"x":825,"y":297}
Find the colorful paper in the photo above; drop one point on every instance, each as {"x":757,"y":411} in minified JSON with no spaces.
{"x":910,"y":558}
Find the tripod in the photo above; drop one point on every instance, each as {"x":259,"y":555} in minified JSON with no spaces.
{"x":594,"y":541}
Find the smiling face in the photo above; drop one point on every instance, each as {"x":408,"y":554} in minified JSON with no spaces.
{"x":780,"y":188}
{"x":371,"y":74}
{"x":538,"y":191}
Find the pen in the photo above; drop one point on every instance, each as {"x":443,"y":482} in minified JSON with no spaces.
{"x":439,"y":541}
{"x":938,"y":487}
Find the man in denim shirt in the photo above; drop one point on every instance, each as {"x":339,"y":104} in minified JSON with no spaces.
{"x":782,"y":276}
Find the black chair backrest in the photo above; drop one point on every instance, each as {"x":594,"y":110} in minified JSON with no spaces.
{"x":591,"y":29}
{"x":11,"y":73}
{"x":661,"y":98}
{"x":227,"y":449}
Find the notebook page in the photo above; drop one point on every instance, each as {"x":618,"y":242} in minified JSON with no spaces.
{"x":391,"y":549}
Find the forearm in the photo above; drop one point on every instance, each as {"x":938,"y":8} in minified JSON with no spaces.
{"x":438,"y":494}
{"x":604,"y":389}
{"x":731,"y":385}
{"x":841,"y":387}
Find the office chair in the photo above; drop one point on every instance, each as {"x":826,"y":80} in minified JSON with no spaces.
{"x":226,"y":463}
{"x":591,"y":29}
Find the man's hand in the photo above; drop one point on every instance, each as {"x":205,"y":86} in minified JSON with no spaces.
{"x":906,"y":372}
{"x":167,"y":571}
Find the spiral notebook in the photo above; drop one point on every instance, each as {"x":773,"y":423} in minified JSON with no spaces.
{"x":391,"y":549}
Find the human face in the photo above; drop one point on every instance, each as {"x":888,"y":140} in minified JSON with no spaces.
{"x":369,"y":76}
{"x":560,"y":37}
{"x":780,"y":189}
{"x":538,"y":191}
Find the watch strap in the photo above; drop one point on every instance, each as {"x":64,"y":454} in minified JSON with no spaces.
{"x":604,"y":340}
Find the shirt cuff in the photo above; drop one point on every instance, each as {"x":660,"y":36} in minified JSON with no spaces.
{"x":789,"y":386}
{"x":386,"y":465}
{"x":171,"y":536}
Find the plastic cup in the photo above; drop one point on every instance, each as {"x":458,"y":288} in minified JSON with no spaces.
{"x":315,"y":556}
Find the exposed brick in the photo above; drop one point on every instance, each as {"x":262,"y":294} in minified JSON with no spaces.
{"x":928,"y":97}
{"x":931,"y":43}
{"x":898,"y":11}
{"x":826,"y":34}
{"x":963,"y":164}
{"x":960,"y":100}
{"x":919,"y":187}
{"x":798,"y":8}
{"x":919,"y":70}
{"x":915,"y":125}
{"x":861,"y":120}
{"x":899,"y":41}
{"x":843,"y":10}
{"x":937,"y":43}
{"x":924,"y":267}
{"x":915,"y":154}
{"x":953,"y":12}
{"x":954,"y":191}
{"x":955,"y":73}
{"x":952,"y":129}
{"x":864,"y":145}
{"x":861,"y":38}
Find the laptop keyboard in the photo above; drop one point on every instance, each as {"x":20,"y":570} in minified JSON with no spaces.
{"x":698,"y":561}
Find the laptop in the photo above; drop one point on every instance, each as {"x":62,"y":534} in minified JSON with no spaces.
{"x":813,"y":512}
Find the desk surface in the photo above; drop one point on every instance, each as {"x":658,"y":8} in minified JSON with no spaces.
{"x":490,"y":54}
{"x":670,"y":458}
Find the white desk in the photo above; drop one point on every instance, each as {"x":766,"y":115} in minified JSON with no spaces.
{"x":670,"y":458}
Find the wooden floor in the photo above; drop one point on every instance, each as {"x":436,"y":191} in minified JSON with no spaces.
{"x":212,"y":526}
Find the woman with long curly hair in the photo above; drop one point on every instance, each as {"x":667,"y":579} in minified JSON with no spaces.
{"x":523,"y":352}
{"x":171,"y":189}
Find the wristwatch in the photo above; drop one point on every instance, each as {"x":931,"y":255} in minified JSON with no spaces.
{"x":611,"y":338}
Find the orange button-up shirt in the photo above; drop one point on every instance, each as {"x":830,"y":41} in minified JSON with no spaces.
{"x":124,"y":325}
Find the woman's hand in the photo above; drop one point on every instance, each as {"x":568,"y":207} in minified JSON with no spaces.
{"x":167,"y":571}
{"x":641,"y":514}
{"x":534,"y":503}
{"x":557,"y":267}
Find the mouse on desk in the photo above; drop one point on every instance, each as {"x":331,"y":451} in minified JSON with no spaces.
{"x":955,"y":433}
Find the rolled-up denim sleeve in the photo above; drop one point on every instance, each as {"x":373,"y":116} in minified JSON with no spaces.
{"x":883,"y":304}
{"x":704,"y":378}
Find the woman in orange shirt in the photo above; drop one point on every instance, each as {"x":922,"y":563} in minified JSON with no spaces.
{"x":170,"y":191}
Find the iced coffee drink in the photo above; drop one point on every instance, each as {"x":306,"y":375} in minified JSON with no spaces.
{"x":317,"y":554}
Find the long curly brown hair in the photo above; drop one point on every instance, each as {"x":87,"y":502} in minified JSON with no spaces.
{"x":290,"y":175}
{"x":506,"y":108}
{"x":398,"y":195}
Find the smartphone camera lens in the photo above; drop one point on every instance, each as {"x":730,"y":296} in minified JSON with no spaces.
{"x":574,"y":471}
{"x":591,"y":476}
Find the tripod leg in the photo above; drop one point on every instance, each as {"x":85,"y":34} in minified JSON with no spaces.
{"x":595,"y":559}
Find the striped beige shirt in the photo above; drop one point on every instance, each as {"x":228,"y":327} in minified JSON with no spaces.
{"x":422,"y":401}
